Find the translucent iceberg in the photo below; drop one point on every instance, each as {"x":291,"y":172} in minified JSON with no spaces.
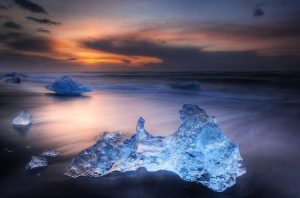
{"x":66,"y":86}
{"x":50,"y":153}
{"x":24,"y":119}
{"x":198,"y":152}
{"x":36,"y":163}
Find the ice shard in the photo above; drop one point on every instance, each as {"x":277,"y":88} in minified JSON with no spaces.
{"x":50,"y":153}
{"x":66,"y":86}
{"x":24,"y":119}
{"x":37,"y":163}
{"x":198,"y":152}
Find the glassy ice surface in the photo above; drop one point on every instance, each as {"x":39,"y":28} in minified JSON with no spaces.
{"x":198,"y":152}
{"x":66,"y":86}
{"x":50,"y":153}
{"x":36,"y":163}
{"x":24,"y":119}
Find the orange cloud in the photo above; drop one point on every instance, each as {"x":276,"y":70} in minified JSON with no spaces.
{"x":89,"y":57}
{"x":74,"y":53}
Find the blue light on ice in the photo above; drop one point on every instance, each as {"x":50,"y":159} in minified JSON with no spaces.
{"x":197,"y":152}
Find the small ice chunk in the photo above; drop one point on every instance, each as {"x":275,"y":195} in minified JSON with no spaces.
{"x":16,"y":79}
{"x":23,"y":119}
{"x":50,"y":153}
{"x":13,"y":77}
{"x":66,"y":86}
{"x":37,"y":162}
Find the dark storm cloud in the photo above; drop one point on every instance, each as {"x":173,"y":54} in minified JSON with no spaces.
{"x":282,"y":38}
{"x":31,"y":6}
{"x":258,"y":11}
{"x":12,"y":25}
{"x":3,"y":7}
{"x":188,"y":58}
{"x":43,"y":21}
{"x":288,"y":31}
{"x":280,"y":30}
{"x":26,"y":43}
{"x":5,"y":37}
{"x":33,"y":44}
{"x":43,"y":31}
{"x":130,"y":46}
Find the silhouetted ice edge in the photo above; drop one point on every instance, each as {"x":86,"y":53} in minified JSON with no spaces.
{"x":198,"y":152}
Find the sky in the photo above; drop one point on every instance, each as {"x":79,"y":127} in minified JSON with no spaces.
{"x":150,"y":35}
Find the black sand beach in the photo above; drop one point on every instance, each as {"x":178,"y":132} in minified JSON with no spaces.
{"x":163,"y":91}
{"x":266,"y":127}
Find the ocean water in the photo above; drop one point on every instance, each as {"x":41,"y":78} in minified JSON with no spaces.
{"x":258,"y":111}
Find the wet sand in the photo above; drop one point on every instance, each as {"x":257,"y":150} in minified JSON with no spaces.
{"x":268,"y":135}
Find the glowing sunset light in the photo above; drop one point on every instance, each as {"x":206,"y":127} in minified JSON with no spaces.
{"x":153,"y":98}
{"x":91,"y":57}
{"x":150,"y":35}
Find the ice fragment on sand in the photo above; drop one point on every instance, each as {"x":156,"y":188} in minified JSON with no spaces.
{"x":66,"y":86}
{"x":36,"y":163}
{"x":50,"y":153}
{"x":23,"y":119}
{"x":198,"y":152}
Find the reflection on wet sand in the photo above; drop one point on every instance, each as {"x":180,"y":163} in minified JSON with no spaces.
{"x":72,"y":123}
{"x":22,"y":129}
